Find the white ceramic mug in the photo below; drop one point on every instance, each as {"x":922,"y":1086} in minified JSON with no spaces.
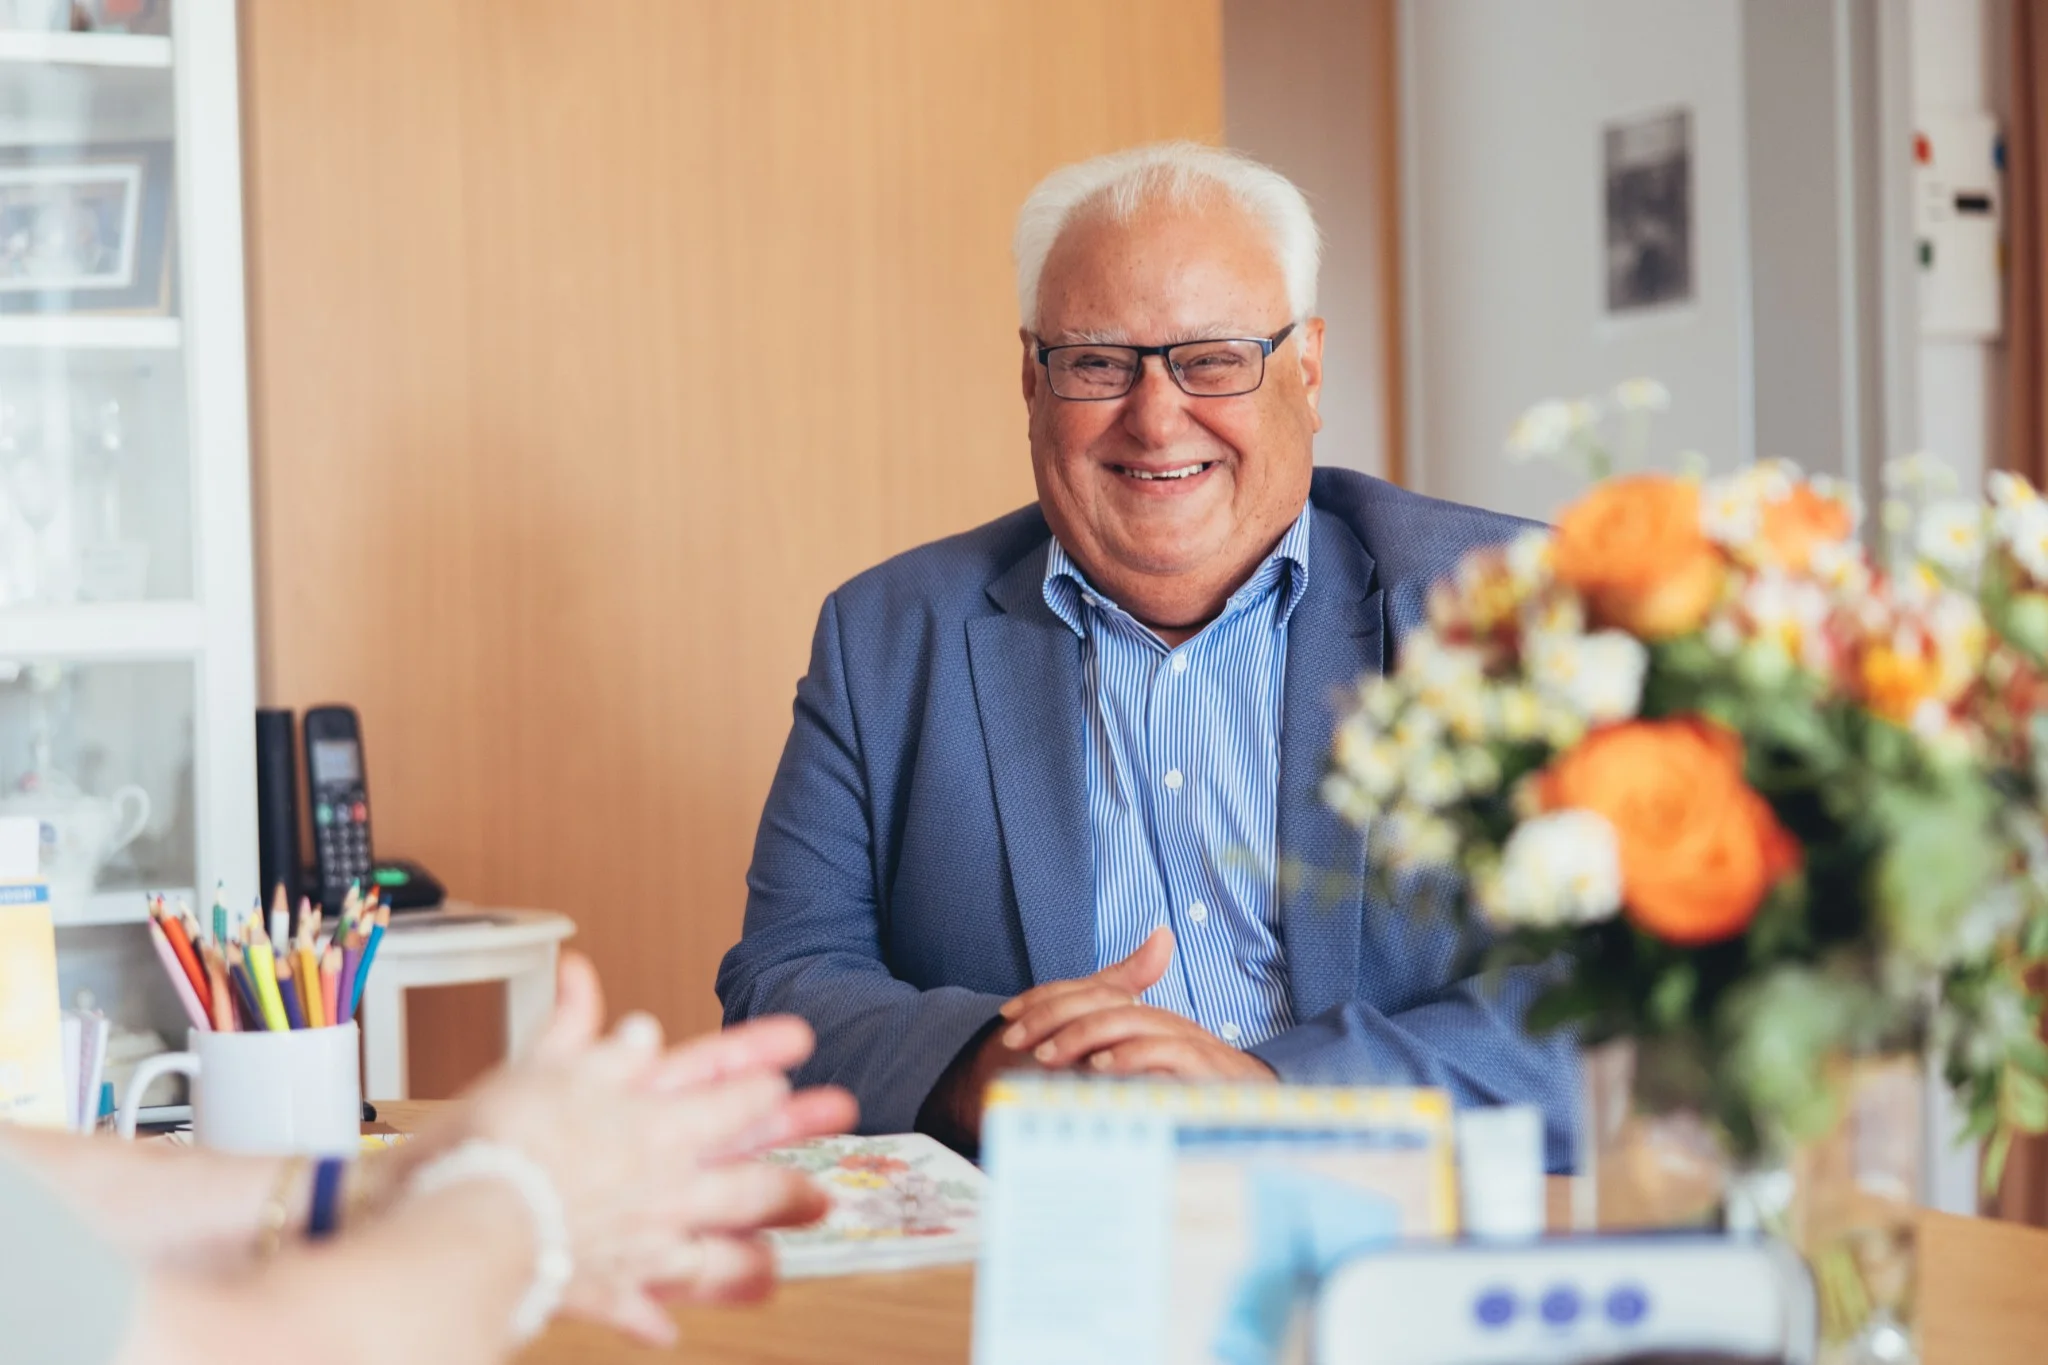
{"x":293,"y":1093}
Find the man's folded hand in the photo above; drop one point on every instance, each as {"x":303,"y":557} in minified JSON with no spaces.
{"x":1098,"y":1024}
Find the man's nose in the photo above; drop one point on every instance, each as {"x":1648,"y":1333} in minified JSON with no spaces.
{"x":1155,"y":408}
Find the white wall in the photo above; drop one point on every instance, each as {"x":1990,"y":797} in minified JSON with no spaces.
{"x":1296,"y":94}
{"x":1505,"y":105}
{"x":1958,"y":62}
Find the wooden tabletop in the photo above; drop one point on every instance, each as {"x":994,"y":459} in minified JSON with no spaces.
{"x":1984,"y":1301}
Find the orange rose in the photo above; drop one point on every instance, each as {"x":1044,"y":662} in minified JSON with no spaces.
{"x":1895,"y":682}
{"x":1795,"y":525}
{"x":1699,"y":847}
{"x":1634,"y":549}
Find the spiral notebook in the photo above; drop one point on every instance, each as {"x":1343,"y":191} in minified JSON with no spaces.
{"x":899,"y":1202}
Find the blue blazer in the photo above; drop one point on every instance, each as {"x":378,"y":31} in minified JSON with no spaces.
{"x":925,"y":852}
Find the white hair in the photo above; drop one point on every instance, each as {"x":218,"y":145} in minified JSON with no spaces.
{"x":1181,"y":174}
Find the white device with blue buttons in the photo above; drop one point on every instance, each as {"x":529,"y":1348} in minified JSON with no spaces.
{"x":1568,"y":1300}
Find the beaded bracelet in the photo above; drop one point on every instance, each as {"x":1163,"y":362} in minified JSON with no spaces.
{"x":553,"y":1265}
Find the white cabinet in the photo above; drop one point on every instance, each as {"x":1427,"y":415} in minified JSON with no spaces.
{"x":127,"y":659}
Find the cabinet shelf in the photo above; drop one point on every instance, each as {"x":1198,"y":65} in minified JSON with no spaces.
{"x":103,"y":630}
{"x":86,"y":49}
{"x":117,"y":907}
{"x":86,"y":332}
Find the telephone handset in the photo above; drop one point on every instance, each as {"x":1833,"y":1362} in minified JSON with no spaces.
{"x":338,"y":796}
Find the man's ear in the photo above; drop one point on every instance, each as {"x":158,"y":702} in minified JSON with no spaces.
{"x":1311,"y":337}
{"x":1030,"y":376}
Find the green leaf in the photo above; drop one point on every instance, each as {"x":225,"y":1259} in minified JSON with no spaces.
{"x":1780,"y":929}
{"x":1994,"y":1162}
{"x":1671,"y":998}
{"x":1565,"y":1003}
{"x":2034,"y":937}
{"x":2026,"y":1101}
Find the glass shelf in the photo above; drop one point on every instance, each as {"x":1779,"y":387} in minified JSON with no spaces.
{"x":134,"y":50}
{"x":102,"y":753}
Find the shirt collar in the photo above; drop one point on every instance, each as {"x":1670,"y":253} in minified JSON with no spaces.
{"x":1068,"y":591}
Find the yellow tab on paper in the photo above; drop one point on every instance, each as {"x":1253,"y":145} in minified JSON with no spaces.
{"x":31,"y":1031}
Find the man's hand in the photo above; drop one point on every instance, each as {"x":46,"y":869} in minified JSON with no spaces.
{"x":1096,"y":1022}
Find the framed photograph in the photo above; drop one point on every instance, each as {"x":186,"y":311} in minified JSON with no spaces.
{"x":1650,"y":227}
{"x":86,"y":229}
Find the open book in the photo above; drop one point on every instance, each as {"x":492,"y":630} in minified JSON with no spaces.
{"x":898,"y":1203}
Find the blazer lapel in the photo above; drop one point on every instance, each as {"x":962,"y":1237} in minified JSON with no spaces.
{"x":1337,"y":633}
{"x":1026,"y":666}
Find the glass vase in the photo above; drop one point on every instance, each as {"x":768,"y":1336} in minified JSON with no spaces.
{"x":1845,"y":1200}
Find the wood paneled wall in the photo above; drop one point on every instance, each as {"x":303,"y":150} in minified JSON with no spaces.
{"x":592,"y":343}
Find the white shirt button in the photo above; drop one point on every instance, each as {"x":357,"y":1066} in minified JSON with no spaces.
{"x":1231,"y":1033}
{"x":1198,"y":912}
{"x":1180,"y":663}
{"x":1173,"y":779}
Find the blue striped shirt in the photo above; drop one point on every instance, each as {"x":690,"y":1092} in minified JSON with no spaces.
{"x":1183,"y":769}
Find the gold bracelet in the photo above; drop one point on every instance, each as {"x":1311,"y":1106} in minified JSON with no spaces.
{"x":359,"y":1194}
{"x":277,"y":1209}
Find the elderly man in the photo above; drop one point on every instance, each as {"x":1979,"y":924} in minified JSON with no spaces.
{"x":1046,"y":777}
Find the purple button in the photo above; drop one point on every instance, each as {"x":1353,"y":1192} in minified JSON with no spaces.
{"x":1626,"y":1305}
{"x":1495,"y":1309}
{"x":1560,"y":1305}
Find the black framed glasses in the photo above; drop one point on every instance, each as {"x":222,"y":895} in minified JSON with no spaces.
{"x":1221,"y":368}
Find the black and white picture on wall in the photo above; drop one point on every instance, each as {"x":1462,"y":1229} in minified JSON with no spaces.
{"x":1648,"y":164}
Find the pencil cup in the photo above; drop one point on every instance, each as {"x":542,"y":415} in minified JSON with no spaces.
{"x":296,"y":1092}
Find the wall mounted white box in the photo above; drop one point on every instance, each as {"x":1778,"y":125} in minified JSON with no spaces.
{"x":1959,"y":221}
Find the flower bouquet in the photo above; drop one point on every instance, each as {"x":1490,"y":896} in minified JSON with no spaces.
{"x":1769,"y":801}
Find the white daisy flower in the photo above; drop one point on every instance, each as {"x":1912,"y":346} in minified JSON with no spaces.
{"x":1951,"y":535}
{"x":1432,"y":779}
{"x":1348,"y":799}
{"x":1920,"y":470}
{"x":1561,"y":868}
{"x":1419,"y":730}
{"x":1528,"y":559}
{"x":1723,"y":636}
{"x":2026,"y":537}
{"x":1841,"y":567}
{"x":2010,"y":490}
{"x":1478,"y":769}
{"x":1731,"y":512}
{"x":1548,"y":427}
{"x":1642,"y":395}
{"x":1521,"y":713}
{"x":1368,"y":758}
{"x":1417,"y":838}
{"x":1789,"y":611}
{"x":1599,"y":676}
{"x":1380,"y":699}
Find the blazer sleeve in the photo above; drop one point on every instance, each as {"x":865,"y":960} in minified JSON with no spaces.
{"x":812,"y":942}
{"x":1467,"y":1039}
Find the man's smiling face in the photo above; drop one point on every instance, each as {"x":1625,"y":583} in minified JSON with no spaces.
{"x":1169,"y":501}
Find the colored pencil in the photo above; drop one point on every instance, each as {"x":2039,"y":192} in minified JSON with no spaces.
{"x":330,"y":983}
{"x":351,"y":963}
{"x":245,"y":993}
{"x":280,"y":922}
{"x":220,"y":914}
{"x":263,"y":976}
{"x":181,"y":945}
{"x":306,"y":971}
{"x":363,"y":969}
{"x":288,"y":993}
{"x":223,"y":1013}
{"x":180,"y":982}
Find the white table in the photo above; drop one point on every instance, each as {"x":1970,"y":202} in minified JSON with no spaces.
{"x":453,"y":946}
